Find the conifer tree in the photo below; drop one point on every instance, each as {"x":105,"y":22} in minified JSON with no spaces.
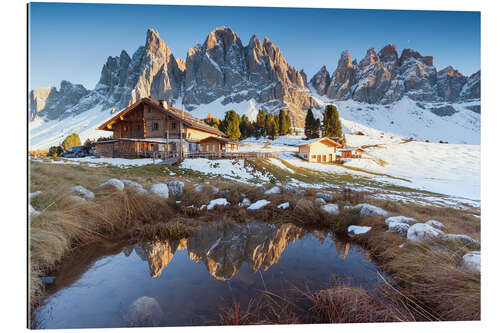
{"x":331,"y":122}
{"x":246,"y":127}
{"x":231,"y":125}
{"x":261,"y":122}
{"x":309,"y":125}
{"x":284,"y":123}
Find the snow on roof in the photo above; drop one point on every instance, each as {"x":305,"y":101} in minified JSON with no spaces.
{"x":350,"y":149}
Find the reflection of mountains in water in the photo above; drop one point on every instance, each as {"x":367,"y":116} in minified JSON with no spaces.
{"x":223,"y":248}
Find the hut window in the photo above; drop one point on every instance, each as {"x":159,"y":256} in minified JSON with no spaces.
{"x":174,"y":125}
{"x":155,"y":126}
{"x":138,"y":127}
{"x":314,"y":156}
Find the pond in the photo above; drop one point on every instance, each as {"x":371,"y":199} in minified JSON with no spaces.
{"x":185,"y":282}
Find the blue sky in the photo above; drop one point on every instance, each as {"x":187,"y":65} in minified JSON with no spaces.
{"x":73,"y":41}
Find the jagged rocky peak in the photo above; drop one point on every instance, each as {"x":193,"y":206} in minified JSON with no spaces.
{"x":388,"y":54}
{"x":222,"y":36}
{"x":450,"y":71}
{"x":412,"y":54}
{"x":53,"y":103}
{"x":471,"y":90}
{"x":321,"y":80}
{"x":371,"y":57}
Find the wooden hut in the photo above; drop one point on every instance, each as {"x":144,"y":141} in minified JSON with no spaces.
{"x":319,"y":150}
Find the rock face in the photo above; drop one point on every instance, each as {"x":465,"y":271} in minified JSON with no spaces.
{"x":384,"y":78}
{"x":52,"y":103}
{"x":224,"y":68}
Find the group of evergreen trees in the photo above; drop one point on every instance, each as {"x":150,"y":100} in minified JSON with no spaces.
{"x":266,"y":124}
{"x":331,"y":127}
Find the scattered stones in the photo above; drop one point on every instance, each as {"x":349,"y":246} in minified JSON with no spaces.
{"x":259,"y":204}
{"x":421,"y":231}
{"x":115,"y":183}
{"x":472,"y":261}
{"x":33,"y":194}
{"x":400,"y":219}
{"x":398,"y":228}
{"x":288,"y":189}
{"x":176,"y":187}
{"x":144,"y":311}
{"x":330,"y":209}
{"x":77,"y":198}
{"x":304,"y":205}
{"x":245,"y":202}
{"x":273,"y":190}
{"x":135,"y":185}
{"x":217,"y":202}
{"x":83,"y":192}
{"x":284,"y":205}
{"x":319,"y":201}
{"x":367,"y":210}
{"x":325,"y":196}
{"x":357,"y":230}
{"x":160,"y":190}
{"x":462,"y":238}
{"x":32,"y":211}
{"x":201,"y":188}
{"x":435,"y":224}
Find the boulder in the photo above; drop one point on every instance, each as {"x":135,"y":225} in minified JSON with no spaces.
{"x":273,"y":190}
{"x":201,"y":188}
{"x":160,"y":190}
{"x":319,"y":201}
{"x":113,"y":183}
{"x":435,"y":224}
{"x":134,"y":185}
{"x":324,"y":196}
{"x":77,"y":198}
{"x":330,"y":209}
{"x":32,"y":211}
{"x":367,"y":210}
{"x":400,"y":219}
{"x":472,"y":261}
{"x":259,"y":204}
{"x":288,"y":189}
{"x":284,"y":205}
{"x":421,"y":231}
{"x":34,"y":194}
{"x":176,"y":187}
{"x":83,"y":192}
{"x":217,"y":202}
{"x":462,"y":238}
{"x":357,"y":229}
{"x":245,"y":202}
{"x":144,"y":311}
{"x":398,"y":228}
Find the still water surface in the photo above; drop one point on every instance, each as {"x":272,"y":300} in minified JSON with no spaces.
{"x":185,"y":282}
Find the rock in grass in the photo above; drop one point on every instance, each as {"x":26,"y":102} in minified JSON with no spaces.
{"x":472,"y":261}
{"x":319,"y":201}
{"x":398,"y":228}
{"x":288,"y":189}
{"x":330,"y":209}
{"x":160,"y":190}
{"x":32,"y":211}
{"x":435,"y":224}
{"x":462,"y":238}
{"x":400,"y":219}
{"x":259,"y":204}
{"x":201,"y":188}
{"x":367,"y":210}
{"x":284,"y":205}
{"x":245,"y":202}
{"x":134,"y":185}
{"x":144,"y":311}
{"x":273,"y":190}
{"x":217,"y":202}
{"x":421,"y":231}
{"x":357,"y":229}
{"x":324,"y":196}
{"x":83,"y":192}
{"x":33,"y":194}
{"x":114,"y":183}
{"x":77,"y":198}
{"x":176,"y":187}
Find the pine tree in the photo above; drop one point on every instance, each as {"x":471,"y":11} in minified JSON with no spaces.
{"x":72,"y":140}
{"x":331,"y":122}
{"x":231,"y":125}
{"x":269,"y":124}
{"x":261,"y":122}
{"x":309,"y":126}
{"x":273,"y":130}
{"x":246,"y":127}
{"x":316,"y":128}
{"x":284,"y":123}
